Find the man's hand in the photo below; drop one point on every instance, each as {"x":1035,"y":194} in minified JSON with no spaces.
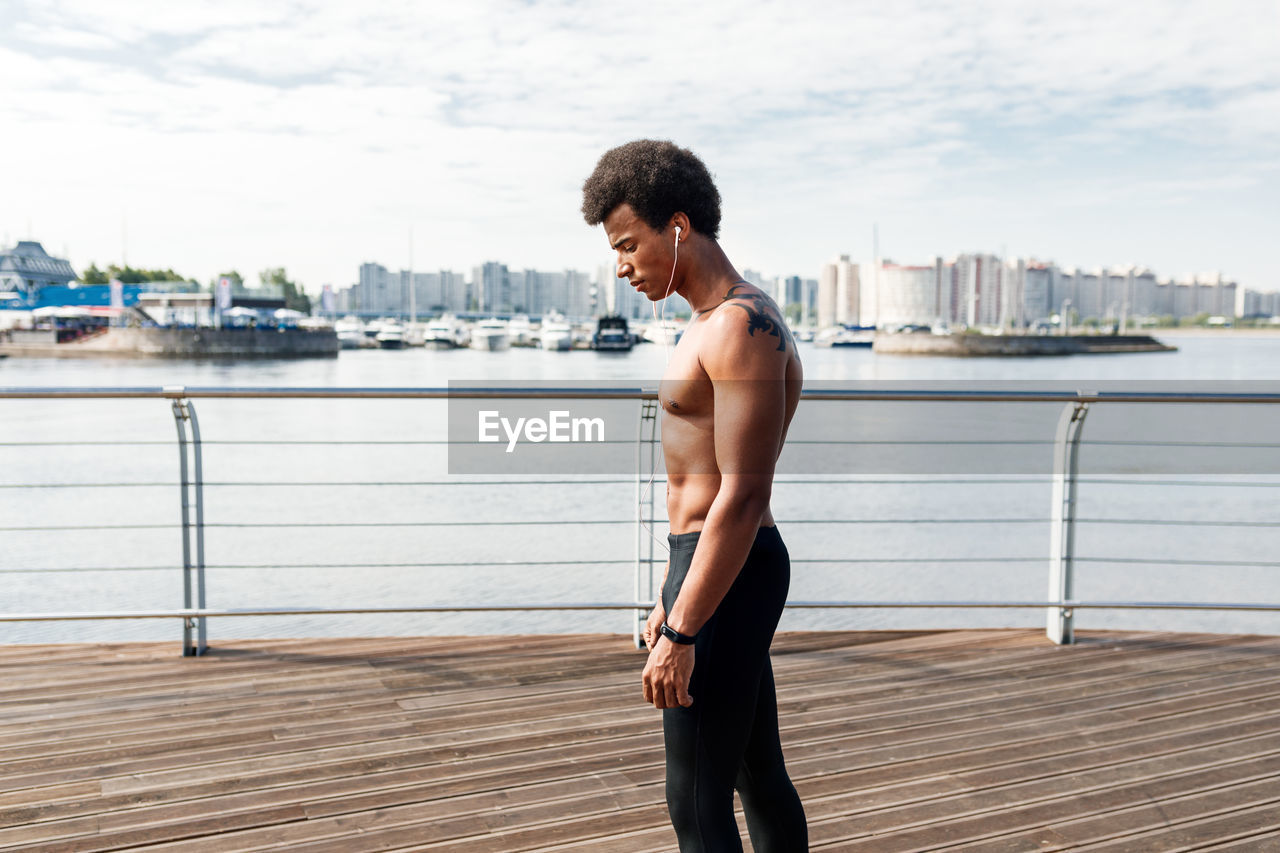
{"x":656,"y":618}
{"x":667,"y":673}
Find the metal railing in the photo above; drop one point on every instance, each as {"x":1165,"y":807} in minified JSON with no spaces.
{"x":1060,"y":603}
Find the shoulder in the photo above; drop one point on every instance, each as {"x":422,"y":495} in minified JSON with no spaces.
{"x":745,"y":335}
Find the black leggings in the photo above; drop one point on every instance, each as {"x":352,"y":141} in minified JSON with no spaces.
{"x":728,"y":737}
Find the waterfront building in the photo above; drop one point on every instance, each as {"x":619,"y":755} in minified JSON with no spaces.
{"x":1012,"y":294}
{"x":375,"y":292}
{"x":1090,"y":298}
{"x":980,"y":290}
{"x":428,"y":294}
{"x":1143,"y":293}
{"x":27,"y":269}
{"x":1252,"y":303}
{"x":1063,"y":296}
{"x":1038,"y":288}
{"x":381,"y":292}
{"x":1215,"y":294}
{"x":976,"y":290}
{"x":839,"y":289}
{"x":491,"y":284}
{"x":1184,"y":299}
{"x":917,"y":295}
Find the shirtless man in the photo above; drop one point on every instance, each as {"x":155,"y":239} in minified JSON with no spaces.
{"x":728,"y":396}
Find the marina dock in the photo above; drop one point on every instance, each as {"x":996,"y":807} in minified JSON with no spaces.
{"x":976,"y":740}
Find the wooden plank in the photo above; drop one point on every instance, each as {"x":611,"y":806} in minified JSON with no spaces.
{"x":538,"y":743}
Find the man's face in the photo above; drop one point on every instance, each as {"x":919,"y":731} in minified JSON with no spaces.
{"x":645,"y":256}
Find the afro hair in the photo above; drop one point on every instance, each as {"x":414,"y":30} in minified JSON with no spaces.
{"x":658,"y":179}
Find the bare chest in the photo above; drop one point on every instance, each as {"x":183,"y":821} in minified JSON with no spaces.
{"x":685,"y":391}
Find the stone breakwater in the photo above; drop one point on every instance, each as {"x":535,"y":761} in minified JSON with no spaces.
{"x":1014,"y":345}
{"x":177,"y":343}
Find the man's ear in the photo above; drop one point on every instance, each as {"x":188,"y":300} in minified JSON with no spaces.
{"x":681,"y":221}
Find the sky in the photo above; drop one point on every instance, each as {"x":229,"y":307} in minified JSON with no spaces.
{"x":317,"y":135}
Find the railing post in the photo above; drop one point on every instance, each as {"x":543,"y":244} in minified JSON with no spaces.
{"x":1059,"y":625}
{"x":193,"y":587}
{"x":649,"y":419}
{"x":202,"y":634}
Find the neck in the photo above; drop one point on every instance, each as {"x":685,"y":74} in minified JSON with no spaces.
{"x":707,"y":275}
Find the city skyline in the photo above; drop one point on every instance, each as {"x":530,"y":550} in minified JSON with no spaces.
{"x":320,"y":136}
{"x":971,"y":289}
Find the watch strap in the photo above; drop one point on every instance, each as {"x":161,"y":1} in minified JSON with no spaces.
{"x":675,"y":636}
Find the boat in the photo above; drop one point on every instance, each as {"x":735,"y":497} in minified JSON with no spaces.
{"x":556,"y":333}
{"x":415,"y":334}
{"x":490,"y":335}
{"x":612,"y":334}
{"x":447,"y":332}
{"x":667,"y":333}
{"x":846,"y":336}
{"x":350,"y":332}
{"x":391,"y":335}
{"x":520,"y":331}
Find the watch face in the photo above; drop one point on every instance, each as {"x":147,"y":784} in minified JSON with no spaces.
{"x":675,"y":636}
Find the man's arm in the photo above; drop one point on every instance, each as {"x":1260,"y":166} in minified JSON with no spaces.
{"x":747,"y":375}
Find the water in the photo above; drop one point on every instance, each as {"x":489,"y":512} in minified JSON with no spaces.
{"x":316,"y":546}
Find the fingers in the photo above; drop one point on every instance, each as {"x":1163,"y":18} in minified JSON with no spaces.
{"x":665,"y":687}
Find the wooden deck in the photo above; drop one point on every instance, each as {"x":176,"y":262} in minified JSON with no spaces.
{"x":986,"y":741}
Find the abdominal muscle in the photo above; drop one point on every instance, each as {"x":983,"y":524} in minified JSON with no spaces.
{"x":692,"y":479}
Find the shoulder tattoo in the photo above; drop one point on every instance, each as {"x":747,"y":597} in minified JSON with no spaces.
{"x":761,"y":314}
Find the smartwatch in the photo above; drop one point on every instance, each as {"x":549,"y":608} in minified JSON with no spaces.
{"x":675,"y":636}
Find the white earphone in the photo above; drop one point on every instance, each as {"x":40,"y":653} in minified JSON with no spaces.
{"x":662,"y":330}
{"x":661,"y":321}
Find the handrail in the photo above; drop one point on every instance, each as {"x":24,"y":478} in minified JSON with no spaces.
{"x":625,"y":392}
{"x":1059,"y":604}
{"x":193,"y":613}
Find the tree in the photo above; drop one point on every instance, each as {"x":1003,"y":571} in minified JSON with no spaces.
{"x":294,"y":297}
{"x":127,"y":275}
{"x":137,"y":275}
{"x":93,"y":275}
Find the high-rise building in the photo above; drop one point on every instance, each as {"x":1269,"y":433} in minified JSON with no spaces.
{"x":378,"y":291}
{"x":1143,"y":293}
{"x":976,"y":290}
{"x":491,"y":284}
{"x":913,"y":295}
{"x":838,"y":293}
{"x":1038,"y":291}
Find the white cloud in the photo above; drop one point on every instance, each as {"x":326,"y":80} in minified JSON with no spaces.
{"x":312,"y":134}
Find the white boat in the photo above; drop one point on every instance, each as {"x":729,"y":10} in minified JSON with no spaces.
{"x":391,"y":335}
{"x":667,"y":333}
{"x":415,"y":334}
{"x":350,"y":332}
{"x":846,"y":336}
{"x":448,"y":332}
{"x":556,"y":334}
{"x":520,"y":331}
{"x":490,"y":335}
